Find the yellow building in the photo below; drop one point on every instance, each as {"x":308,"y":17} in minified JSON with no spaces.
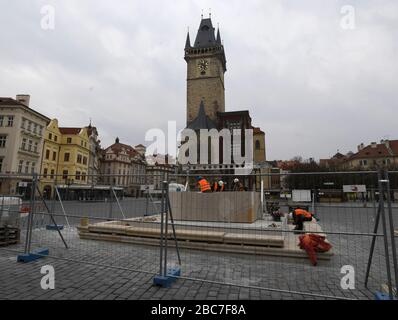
{"x":65,"y":157}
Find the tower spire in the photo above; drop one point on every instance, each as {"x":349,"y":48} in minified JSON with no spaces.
{"x":188,"y":41}
{"x":218,"y":40}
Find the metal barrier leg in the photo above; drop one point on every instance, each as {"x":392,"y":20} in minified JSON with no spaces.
{"x":166,"y":228}
{"x":372,"y":246}
{"x":391,"y":225}
{"x":29,"y":256}
{"x":385,"y":235}
{"x":166,"y":275}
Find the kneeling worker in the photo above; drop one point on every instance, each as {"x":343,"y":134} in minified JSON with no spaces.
{"x":204,"y":185}
{"x":300,"y":216}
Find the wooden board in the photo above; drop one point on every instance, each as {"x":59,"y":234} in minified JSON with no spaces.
{"x":294,"y":252}
{"x":9,"y":236}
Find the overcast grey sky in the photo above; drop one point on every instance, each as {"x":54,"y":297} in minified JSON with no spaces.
{"x":311,"y":85}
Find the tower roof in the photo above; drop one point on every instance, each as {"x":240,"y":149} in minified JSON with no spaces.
{"x":188,"y":42}
{"x":202,"y":121}
{"x":218,"y":40}
{"x":205,"y":37}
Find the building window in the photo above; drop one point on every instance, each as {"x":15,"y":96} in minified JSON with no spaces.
{"x":45,"y":173}
{"x":24,"y":144}
{"x":35,"y":128}
{"x":10,"y":122}
{"x":30,"y":145}
{"x":3,"y":140}
{"x":69,"y":140}
{"x":20,"y":165}
{"x":33,"y":169}
{"x":54,"y":156}
{"x":79,"y":158}
{"x":1,"y":164}
{"x":1,"y":120}
{"x":52,"y":173}
{"x":55,"y":138}
{"x":83,"y":176}
{"x":47,"y":154}
{"x":65,"y":174}
{"x":66,"y":156}
{"x":23,"y":123}
{"x":29,"y":126}
{"x":50,"y":136}
{"x":84,"y":160}
{"x":27,"y":167}
{"x":258,"y":146}
{"x":77,"y":175}
{"x":36,"y":147}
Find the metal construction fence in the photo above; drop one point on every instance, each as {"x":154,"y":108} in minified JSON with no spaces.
{"x":239,"y":235}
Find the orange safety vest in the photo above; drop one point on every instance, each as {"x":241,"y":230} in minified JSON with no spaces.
{"x":215,"y":188}
{"x":222,"y":188}
{"x":204,"y":185}
{"x":305,"y":213}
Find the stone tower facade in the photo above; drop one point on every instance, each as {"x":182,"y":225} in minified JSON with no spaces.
{"x":206,"y":66}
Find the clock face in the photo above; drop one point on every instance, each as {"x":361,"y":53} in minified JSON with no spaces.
{"x":203,"y":65}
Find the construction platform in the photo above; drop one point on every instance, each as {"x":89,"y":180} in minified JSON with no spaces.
{"x":262,"y":237}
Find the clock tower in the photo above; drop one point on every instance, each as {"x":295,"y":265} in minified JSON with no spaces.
{"x":206,"y":65}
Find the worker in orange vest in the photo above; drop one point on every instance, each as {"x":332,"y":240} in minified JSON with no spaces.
{"x":300,"y":216}
{"x":204,"y":185}
{"x":215,"y":186}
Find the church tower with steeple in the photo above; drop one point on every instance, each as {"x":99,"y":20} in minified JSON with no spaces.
{"x":206,"y":66}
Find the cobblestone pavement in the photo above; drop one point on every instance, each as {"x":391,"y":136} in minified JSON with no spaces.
{"x":136,"y":265}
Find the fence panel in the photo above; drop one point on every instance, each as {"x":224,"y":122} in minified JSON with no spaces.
{"x":240,"y":236}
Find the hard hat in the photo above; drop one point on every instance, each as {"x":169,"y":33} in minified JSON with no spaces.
{"x":220,"y":183}
{"x":198,"y":178}
{"x":236,"y":180}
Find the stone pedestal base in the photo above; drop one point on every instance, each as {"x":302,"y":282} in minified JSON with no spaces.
{"x":233,"y":207}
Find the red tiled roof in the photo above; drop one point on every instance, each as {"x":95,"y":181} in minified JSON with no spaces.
{"x":91,"y":129}
{"x":70,"y":130}
{"x":4,"y":101}
{"x":394,"y":146}
{"x":118,"y":147}
{"x":257,"y":130}
{"x":378,"y":150}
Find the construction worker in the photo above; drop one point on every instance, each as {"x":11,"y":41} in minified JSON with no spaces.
{"x":204,"y":185}
{"x":215,"y":186}
{"x":221,"y":186}
{"x":300,"y":216}
{"x":238,"y":186}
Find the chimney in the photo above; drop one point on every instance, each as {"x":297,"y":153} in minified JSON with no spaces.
{"x":386,"y":143}
{"x":24,"y":99}
{"x":361,"y":147}
{"x":373,"y":145}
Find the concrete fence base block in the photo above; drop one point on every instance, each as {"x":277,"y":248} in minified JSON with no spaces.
{"x":35,"y":255}
{"x":166,"y":281}
{"x":53,"y":227}
{"x":383,"y":296}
